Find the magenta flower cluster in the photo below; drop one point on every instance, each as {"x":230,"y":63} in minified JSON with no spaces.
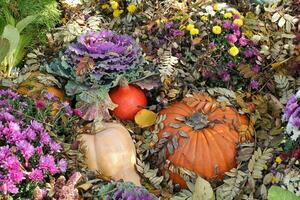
{"x":292,"y":116}
{"x":27,"y":152}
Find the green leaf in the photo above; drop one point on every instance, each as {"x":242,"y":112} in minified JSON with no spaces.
{"x":8,"y":16}
{"x":25,"y":22}
{"x":13,"y":36}
{"x":20,"y":50}
{"x":203,"y":190}
{"x":278,"y":193}
{"x":4,"y":48}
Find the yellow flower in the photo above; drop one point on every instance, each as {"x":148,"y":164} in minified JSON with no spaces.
{"x":236,"y":12}
{"x":114,"y":5}
{"x":238,"y":22}
{"x":105,"y":6}
{"x":194,"y":31}
{"x":131,"y":8}
{"x":274,"y":179}
{"x":216,"y":7}
{"x":117,"y":13}
{"x":242,"y":17}
{"x":278,"y":159}
{"x":190,"y":27}
{"x":204,"y":18}
{"x":217,"y":30}
{"x":228,"y":15}
{"x":233,"y":51}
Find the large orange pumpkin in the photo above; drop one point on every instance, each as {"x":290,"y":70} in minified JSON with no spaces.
{"x":207,"y":134}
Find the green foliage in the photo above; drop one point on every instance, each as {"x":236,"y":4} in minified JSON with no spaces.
{"x":14,"y":44}
{"x":278,"y":193}
{"x":46,"y":11}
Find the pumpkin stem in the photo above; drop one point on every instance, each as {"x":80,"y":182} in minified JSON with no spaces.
{"x":123,"y":82}
{"x":197,"y":121}
{"x":97,"y":126}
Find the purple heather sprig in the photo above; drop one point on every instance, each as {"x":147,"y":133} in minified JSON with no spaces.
{"x":292,"y":116}
{"x":27,"y":152}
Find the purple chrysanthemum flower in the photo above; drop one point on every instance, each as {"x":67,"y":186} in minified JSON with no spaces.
{"x":77,"y":112}
{"x":230,"y":64}
{"x":47,"y":163}
{"x":248,"y":53}
{"x":236,"y":30}
{"x":36,"y":175}
{"x":8,"y":186}
{"x":176,"y":33}
{"x":227,"y":24}
{"x":49,"y":96}
{"x":255,"y":68}
{"x":169,"y":25}
{"x":254,"y":84}
{"x":292,"y":116}
{"x":40,"y":104}
{"x":36,"y":125}
{"x":231,"y":38}
{"x":212,"y":46}
{"x":23,"y":144}
{"x":225,"y":76}
{"x":236,"y":16}
{"x":62,"y":165}
{"x":243,"y":41}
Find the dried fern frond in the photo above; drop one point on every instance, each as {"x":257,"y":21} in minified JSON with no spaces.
{"x":167,"y":64}
{"x":232,"y":186}
{"x":258,"y":162}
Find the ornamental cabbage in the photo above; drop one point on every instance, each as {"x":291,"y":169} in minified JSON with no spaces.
{"x":124,"y":191}
{"x":94,"y":64}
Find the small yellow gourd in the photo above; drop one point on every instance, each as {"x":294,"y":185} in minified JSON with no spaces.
{"x":111,"y":152}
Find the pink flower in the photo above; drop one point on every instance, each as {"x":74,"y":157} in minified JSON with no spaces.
{"x":44,"y":138}
{"x":231,"y":38}
{"x":40,"y":104}
{"x":47,"y":163}
{"x":36,"y":175}
{"x":30,"y":134}
{"x":26,"y":149}
{"x":39,"y":150}
{"x":236,"y":16}
{"x":256,"y":68}
{"x":55,"y":147}
{"x":248,"y":53}
{"x":62,"y":164}
{"x":227,"y":24}
{"x":77,"y":112}
{"x":230,"y":64}
{"x":243,"y":41}
{"x":36,"y":125}
{"x":212,"y":46}
{"x":4,"y":152}
{"x":16,"y":176}
{"x":225,"y":76}
{"x":254,"y":84}
{"x":49,"y":96}
{"x":8,"y":186}
{"x":11,"y":163}
{"x":236,"y":30}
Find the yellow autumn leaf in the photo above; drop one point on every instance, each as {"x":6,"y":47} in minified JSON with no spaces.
{"x":145,"y":118}
{"x":278,"y":64}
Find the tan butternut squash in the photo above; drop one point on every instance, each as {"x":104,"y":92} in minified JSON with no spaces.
{"x":111,"y":152}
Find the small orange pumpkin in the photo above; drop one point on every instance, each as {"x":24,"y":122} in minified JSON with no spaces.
{"x":33,"y":88}
{"x":207,"y":134}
